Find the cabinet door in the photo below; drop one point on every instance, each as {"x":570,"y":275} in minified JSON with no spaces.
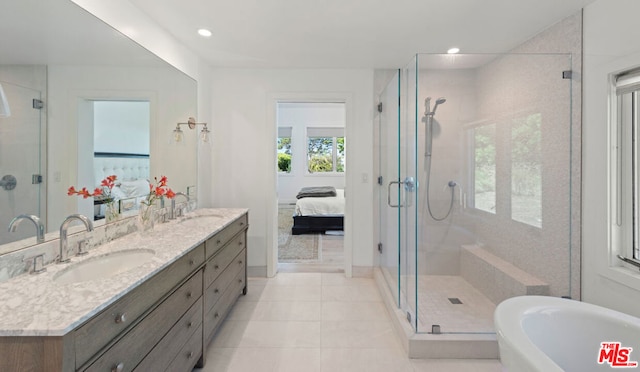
{"x":219,"y":240}
{"x":172,"y":343}
{"x":127,"y":352}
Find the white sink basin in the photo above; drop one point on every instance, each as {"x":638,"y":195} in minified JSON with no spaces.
{"x":200,"y":217}
{"x":104,"y":266}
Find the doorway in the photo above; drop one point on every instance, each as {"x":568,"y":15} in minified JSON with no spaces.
{"x":311,"y":156}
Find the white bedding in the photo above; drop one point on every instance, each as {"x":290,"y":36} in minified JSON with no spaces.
{"x":327,"y":206}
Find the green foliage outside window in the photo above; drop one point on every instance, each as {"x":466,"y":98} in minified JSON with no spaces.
{"x":284,"y":154}
{"x":320,"y":154}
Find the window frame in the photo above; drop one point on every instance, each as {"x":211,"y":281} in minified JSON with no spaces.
{"x":625,"y":168}
{"x":327,"y":132}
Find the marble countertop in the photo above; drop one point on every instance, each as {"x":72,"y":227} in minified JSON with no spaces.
{"x":36,"y":305}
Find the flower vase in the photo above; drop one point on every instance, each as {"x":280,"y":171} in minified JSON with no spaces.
{"x":111,"y":212}
{"x":145,"y":217}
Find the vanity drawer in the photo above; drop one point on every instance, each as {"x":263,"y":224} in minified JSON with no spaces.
{"x":189,"y":326}
{"x":133,"y":346}
{"x":104,"y":327}
{"x":213,"y":318}
{"x":188,"y":356}
{"x":213,"y":244}
{"x":221,"y":260}
{"x":218,"y":287}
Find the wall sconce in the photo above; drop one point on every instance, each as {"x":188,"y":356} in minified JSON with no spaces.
{"x":178,"y":134}
{"x":5,"y":112}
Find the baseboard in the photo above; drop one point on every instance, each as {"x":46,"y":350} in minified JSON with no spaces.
{"x":257,"y":271}
{"x":362,"y":271}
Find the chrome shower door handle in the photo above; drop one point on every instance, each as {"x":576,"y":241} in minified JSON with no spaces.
{"x":399,"y":205}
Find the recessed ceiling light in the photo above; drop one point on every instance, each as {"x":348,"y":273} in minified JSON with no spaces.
{"x":453,"y":50}
{"x":204,"y":32}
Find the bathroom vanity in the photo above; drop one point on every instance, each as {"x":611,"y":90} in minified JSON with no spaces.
{"x":158,"y":316}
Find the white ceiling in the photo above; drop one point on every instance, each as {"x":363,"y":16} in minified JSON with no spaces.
{"x":351,"y":33}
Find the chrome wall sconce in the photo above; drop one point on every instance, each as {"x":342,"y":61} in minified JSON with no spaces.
{"x":178,"y":134}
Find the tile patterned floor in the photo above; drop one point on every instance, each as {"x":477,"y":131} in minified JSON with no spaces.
{"x":317,"y":322}
{"x":474,"y":314}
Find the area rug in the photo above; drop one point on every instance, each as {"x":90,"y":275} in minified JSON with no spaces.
{"x":294,"y":248}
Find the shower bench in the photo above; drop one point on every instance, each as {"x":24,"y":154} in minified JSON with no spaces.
{"x":496,"y":278}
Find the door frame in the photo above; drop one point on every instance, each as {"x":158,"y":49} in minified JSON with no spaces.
{"x":272,"y":200}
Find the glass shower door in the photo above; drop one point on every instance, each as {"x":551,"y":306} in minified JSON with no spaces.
{"x":409,"y":197}
{"x":20,"y":175}
{"x":389,"y":190}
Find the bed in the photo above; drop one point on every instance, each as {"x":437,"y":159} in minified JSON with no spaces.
{"x":132,"y":183}
{"x":319,"y":214}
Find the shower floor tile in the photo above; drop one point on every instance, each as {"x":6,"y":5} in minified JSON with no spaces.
{"x":474,"y":314}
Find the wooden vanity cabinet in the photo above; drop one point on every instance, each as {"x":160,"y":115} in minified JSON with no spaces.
{"x":120,"y":336}
{"x":164,"y":324}
{"x":225,"y":275}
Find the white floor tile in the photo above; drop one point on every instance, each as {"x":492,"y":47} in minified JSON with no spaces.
{"x":296,"y":279}
{"x":291,"y":293}
{"x":263,"y":360}
{"x":341,"y":280}
{"x":276,"y":334}
{"x":365,"y":360}
{"x":355,"y":311}
{"x":319,"y":323}
{"x":366,"y":292}
{"x":361,"y":334}
{"x":287,"y":310}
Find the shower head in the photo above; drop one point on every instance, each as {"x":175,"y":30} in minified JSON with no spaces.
{"x":427,"y":104}
{"x":439,"y":101}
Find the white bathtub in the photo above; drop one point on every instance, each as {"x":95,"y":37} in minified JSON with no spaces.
{"x":538,"y":333}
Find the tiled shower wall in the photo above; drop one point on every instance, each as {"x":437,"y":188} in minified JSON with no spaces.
{"x":505,"y":87}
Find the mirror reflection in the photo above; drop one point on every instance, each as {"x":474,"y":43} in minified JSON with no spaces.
{"x":79,"y":102}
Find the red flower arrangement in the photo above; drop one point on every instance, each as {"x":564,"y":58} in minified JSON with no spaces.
{"x":158,"y":190}
{"x":105,"y":189}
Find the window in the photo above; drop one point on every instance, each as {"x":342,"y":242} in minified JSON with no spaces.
{"x":325,"y":150}
{"x":625,"y":167}
{"x":483,"y":160}
{"x":505,"y":164}
{"x":526,"y":170}
{"x":284,"y":149}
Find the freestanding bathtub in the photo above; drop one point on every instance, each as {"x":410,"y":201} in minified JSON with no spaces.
{"x":546,"y":334}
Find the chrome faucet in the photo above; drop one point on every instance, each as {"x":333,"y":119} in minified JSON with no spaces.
{"x":172,"y":212}
{"x":63,"y":234}
{"x":13,"y":225}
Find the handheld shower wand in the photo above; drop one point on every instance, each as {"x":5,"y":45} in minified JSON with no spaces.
{"x":428,"y":120}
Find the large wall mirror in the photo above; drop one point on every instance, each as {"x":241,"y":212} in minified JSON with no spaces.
{"x":78,"y":95}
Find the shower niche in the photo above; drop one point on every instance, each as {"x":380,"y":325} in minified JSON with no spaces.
{"x":475,"y":205}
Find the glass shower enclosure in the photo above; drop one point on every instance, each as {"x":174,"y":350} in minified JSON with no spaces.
{"x":22,"y":149}
{"x":475,"y":159}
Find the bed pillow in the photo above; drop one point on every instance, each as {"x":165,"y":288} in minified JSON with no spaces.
{"x":134,"y":188}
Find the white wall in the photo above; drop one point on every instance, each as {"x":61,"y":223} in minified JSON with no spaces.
{"x":113,"y":118}
{"x":244,"y":171}
{"x":299,"y":116}
{"x":610,"y":44}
